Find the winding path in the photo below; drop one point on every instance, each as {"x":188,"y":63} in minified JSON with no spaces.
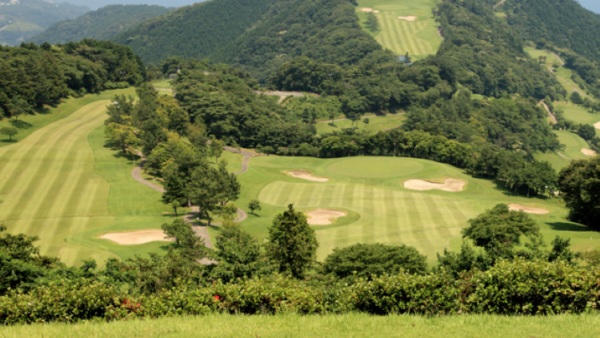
{"x":200,"y":230}
{"x":553,"y":118}
{"x":499,"y":3}
{"x":282,"y":95}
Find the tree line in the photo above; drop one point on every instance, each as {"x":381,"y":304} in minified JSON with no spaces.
{"x":33,"y":76}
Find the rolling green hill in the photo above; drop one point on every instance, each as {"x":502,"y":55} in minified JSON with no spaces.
{"x":102,"y":24}
{"x":19,"y":20}
{"x":193,"y":31}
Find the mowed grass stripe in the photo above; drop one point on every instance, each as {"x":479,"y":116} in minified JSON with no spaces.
{"x":36,"y":172}
{"x":403,"y":221}
{"x":397,"y":41}
{"x":417,"y":222}
{"x":406,"y":29}
{"x":439,"y":222}
{"x":32,"y":176}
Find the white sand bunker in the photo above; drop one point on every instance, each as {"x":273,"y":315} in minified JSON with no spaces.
{"x":369,"y":10}
{"x":323,"y":216}
{"x":451,"y":185}
{"x":597,"y":125}
{"x":305,"y":175}
{"x":588,"y":152}
{"x":529,"y":210}
{"x":408,"y":18}
{"x":136,"y":237}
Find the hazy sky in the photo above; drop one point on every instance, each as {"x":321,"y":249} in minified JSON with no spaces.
{"x":593,"y":5}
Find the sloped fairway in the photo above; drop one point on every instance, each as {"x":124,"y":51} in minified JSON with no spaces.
{"x":419,"y":38}
{"x":376,"y":124}
{"x":380,"y":209}
{"x":51,"y":187}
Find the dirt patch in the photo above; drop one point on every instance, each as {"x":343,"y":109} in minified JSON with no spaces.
{"x":136,"y":237}
{"x":529,"y":210}
{"x":408,"y":18}
{"x":369,"y":10}
{"x":323,"y":216}
{"x":450,"y":184}
{"x":305,"y":175}
{"x":588,"y":152}
{"x":597,"y":125}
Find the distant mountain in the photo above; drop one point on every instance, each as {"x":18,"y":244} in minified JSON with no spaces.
{"x":193,"y":31}
{"x":21,"y":19}
{"x":102,"y":24}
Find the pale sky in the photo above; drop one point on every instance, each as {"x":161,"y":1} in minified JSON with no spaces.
{"x":592,"y":5}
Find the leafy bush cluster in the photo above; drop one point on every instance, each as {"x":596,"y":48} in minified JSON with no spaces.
{"x":519,"y":287}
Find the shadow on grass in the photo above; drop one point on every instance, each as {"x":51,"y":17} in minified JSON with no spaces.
{"x":8,"y":141}
{"x":21,"y":124}
{"x":564,"y":226}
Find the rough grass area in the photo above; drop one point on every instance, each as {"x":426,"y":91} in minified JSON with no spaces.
{"x":419,"y":38}
{"x":380,"y":209}
{"x":30,"y":123}
{"x":376,"y":123}
{"x":330,"y":326}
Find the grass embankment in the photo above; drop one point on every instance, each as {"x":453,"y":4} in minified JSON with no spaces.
{"x":64,"y":185}
{"x":31,"y":123}
{"x":380,"y":209}
{"x":350,"y":325}
{"x":376,"y":123}
{"x":419,"y":38}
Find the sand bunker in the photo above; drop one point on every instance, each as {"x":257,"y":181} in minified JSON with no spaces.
{"x":323,"y":216}
{"x":451,"y":185}
{"x":369,"y":10}
{"x":529,"y":210}
{"x":305,"y":175}
{"x":588,"y":152}
{"x":136,"y":237}
{"x":597,"y":125}
{"x":408,"y":18}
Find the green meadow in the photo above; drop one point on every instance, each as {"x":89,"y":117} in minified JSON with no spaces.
{"x":376,"y":123}
{"x":419,"y":38}
{"x":380,"y":210}
{"x":330,"y":326}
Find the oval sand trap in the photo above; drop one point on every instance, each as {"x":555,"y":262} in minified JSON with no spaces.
{"x":323,"y":216}
{"x":597,"y":125}
{"x":529,"y":210}
{"x":588,"y":152}
{"x":369,"y":10}
{"x":136,"y":237}
{"x":305,"y":175}
{"x":408,"y":18}
{"x":451,"y":185}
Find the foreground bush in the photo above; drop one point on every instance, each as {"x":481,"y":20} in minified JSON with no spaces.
{"x":508,"y":288}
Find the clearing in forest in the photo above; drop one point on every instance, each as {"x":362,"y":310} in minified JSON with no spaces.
{"x":376,"y":123}
{"x":405,"y":26}
{"x":379,"y":209}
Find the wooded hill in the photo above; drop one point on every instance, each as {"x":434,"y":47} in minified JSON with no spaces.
{"x":21,"y":20}
{"x":193,"y":31}
{"x":102,"y":24}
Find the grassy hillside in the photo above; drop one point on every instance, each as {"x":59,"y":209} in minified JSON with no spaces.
{"x":25,"y":18}
{"x":376,"y":123}
{"x":347,"y":325}
{"x":193,"y":31}
{"x":102,"y":24}
{"x":380,"y":209}
{"x":419,"y":38}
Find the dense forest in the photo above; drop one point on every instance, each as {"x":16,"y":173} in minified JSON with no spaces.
{"x":563,"y":23}
{"x":102,"y":24}
{"x":193,"y":31}
{"x":32,"y":76}
{"x":19,"y":21}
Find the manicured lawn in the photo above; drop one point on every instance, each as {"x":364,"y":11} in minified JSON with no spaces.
{"x":347,"y":325}
{"x":380,"y":209}
{"x":31,"y":123}
{"x":376,"y":123}
{"x":62,"y":184}
{"x":419,"y":38}
{"x":574,"y":144}
{"x":578,"y":114}
{"x":163,"y":84}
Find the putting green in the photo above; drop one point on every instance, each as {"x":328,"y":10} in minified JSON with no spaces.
{"x":380,"y":209}
{"x":375,"y":167}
